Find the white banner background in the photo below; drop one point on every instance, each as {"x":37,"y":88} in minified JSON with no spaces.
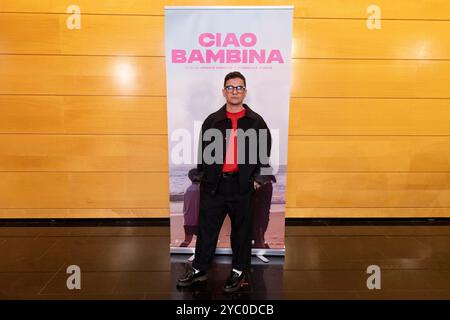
{"x":194,"y":91}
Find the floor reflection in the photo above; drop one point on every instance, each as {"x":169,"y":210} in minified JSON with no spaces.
{"x":263,"y":280}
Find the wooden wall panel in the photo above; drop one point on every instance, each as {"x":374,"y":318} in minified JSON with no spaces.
{"x":136,"y":153}
{"x":371,"y":78}
{"x":144,"y":36}
{"x":368,"y":190}
{"x":400,"y":9}
{"x":83,"y":114}
{"x":83,"y":131}
{"x":99,"y":35}
{"x":79,"y":190}
{"x":89,"y":75}
{"x":116,"y":153}
{"x":83,"y":213}
{"x":350,"y":38}
{"x":147,"y":115}
{"x":368,"y":154}
{"x":82,"y":75}
{"x":333,"y":212}
{"x":359,"y":116}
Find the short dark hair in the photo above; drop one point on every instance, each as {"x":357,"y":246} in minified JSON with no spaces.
{"x":193,"y":175}
{"x":233,"y":75}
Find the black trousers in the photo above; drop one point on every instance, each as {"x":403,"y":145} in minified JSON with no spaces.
{"x":213,"y":209}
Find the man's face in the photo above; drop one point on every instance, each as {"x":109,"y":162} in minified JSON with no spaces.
{"x":234,"y":96}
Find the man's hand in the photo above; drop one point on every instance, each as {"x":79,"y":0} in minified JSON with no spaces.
{"x":256,"y":185}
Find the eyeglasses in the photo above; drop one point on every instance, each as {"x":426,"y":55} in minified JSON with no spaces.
{"x":238,"y":88}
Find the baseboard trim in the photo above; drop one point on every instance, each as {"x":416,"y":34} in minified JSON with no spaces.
{"x":165,"y":222}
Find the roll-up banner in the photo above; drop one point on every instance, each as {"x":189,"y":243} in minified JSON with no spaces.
{"x":203,"y":44}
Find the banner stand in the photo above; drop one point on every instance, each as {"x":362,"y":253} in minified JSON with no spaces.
{"x":256,"y":252}
{"x":203,"y":44}
{"x":258,"y":255}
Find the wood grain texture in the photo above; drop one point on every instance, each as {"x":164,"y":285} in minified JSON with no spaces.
{"x":367,"y":190}
{"x":400,"y":9}
{"x":61,"y":190}
{"x":83,"y":114}
{"x":144,"y":36}
{"x":83,"y":131}
{"x":89,"y":75}
{"x":86,"y":153}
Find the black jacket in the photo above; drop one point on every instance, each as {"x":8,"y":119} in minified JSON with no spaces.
{"x":248,"y":171}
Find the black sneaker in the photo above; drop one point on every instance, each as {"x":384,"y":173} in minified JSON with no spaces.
{"x":234,"y":282}
{"x":191,"y":277}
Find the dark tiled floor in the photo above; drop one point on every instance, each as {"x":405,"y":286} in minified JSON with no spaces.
{"x":133,"y":262}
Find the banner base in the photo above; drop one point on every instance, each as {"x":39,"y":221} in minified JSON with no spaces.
{"x":256,"y":251}
{"x":262,"y":258}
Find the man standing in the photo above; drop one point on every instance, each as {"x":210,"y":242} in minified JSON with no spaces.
{"x":239,"y":141}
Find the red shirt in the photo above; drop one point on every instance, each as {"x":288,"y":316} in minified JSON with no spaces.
{"x":231,"y":156}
